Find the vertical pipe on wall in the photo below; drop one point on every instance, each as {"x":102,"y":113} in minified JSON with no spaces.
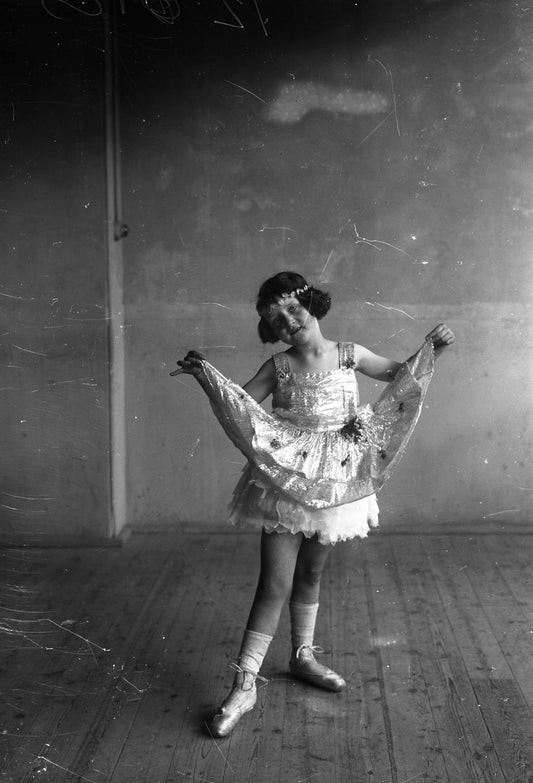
{"x":116,"y":231}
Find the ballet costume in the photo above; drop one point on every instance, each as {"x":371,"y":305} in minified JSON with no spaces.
{"x":314,"y":466}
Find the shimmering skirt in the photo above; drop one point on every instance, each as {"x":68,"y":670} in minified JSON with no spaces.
{"x":320,"y":479}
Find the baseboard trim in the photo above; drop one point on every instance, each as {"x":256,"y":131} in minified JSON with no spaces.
{"x":481,"y":528}
{"x":58,"y":542}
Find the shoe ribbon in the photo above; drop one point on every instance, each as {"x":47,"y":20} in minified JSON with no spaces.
{"x":240,"y":670}
{"x":315,"y":649}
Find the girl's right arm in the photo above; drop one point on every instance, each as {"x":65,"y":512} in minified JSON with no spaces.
{"x":263,"y":383}
{"x":259,"y":387}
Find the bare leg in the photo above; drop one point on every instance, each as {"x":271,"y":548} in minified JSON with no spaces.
{"x":312,"y":557}
{"x":279,"y":554}
{"x":310,"y":563}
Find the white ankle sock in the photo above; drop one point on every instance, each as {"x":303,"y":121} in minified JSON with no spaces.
{"x":303,"y":620}
{"x":253,"y":650}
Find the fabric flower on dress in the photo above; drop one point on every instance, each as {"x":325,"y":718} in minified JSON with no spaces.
{"x":356,"y":430}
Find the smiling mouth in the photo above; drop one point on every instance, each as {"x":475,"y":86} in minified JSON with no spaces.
{"x":295,"y":331}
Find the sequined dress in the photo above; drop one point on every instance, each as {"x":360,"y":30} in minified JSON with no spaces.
{"x":315,"y":462}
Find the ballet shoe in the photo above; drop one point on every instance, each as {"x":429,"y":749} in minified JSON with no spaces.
{"x":304,"y":666}
{"x":241,"y":700}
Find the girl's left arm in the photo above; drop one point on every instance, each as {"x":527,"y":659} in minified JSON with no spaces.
{"x":441,"y":336}
{"x":382,"y":369}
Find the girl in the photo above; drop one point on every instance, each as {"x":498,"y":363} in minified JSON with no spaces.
{"x":314,"y":465}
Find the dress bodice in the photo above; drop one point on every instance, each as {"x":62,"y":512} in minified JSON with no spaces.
{"x":316,"y":400}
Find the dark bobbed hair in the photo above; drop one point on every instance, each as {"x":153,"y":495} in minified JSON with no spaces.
{"x":315,"y":301}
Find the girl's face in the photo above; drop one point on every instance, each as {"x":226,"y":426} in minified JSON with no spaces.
{"x":289,"y":320}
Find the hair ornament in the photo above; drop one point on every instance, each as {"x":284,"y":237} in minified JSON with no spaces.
{"x":296,"y":291}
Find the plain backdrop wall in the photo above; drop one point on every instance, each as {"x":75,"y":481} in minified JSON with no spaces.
{"x":383,"y":149}
{"x":54,"y":404}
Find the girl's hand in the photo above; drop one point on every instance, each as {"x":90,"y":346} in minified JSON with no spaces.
{"x":191,"y":365}
{"x":441,"y":336}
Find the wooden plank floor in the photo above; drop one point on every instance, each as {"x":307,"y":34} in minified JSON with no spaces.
{"x":113,"y":659}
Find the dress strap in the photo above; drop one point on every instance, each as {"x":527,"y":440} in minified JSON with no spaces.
{"x":281,"y":363}
{"x":347,"y":356}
